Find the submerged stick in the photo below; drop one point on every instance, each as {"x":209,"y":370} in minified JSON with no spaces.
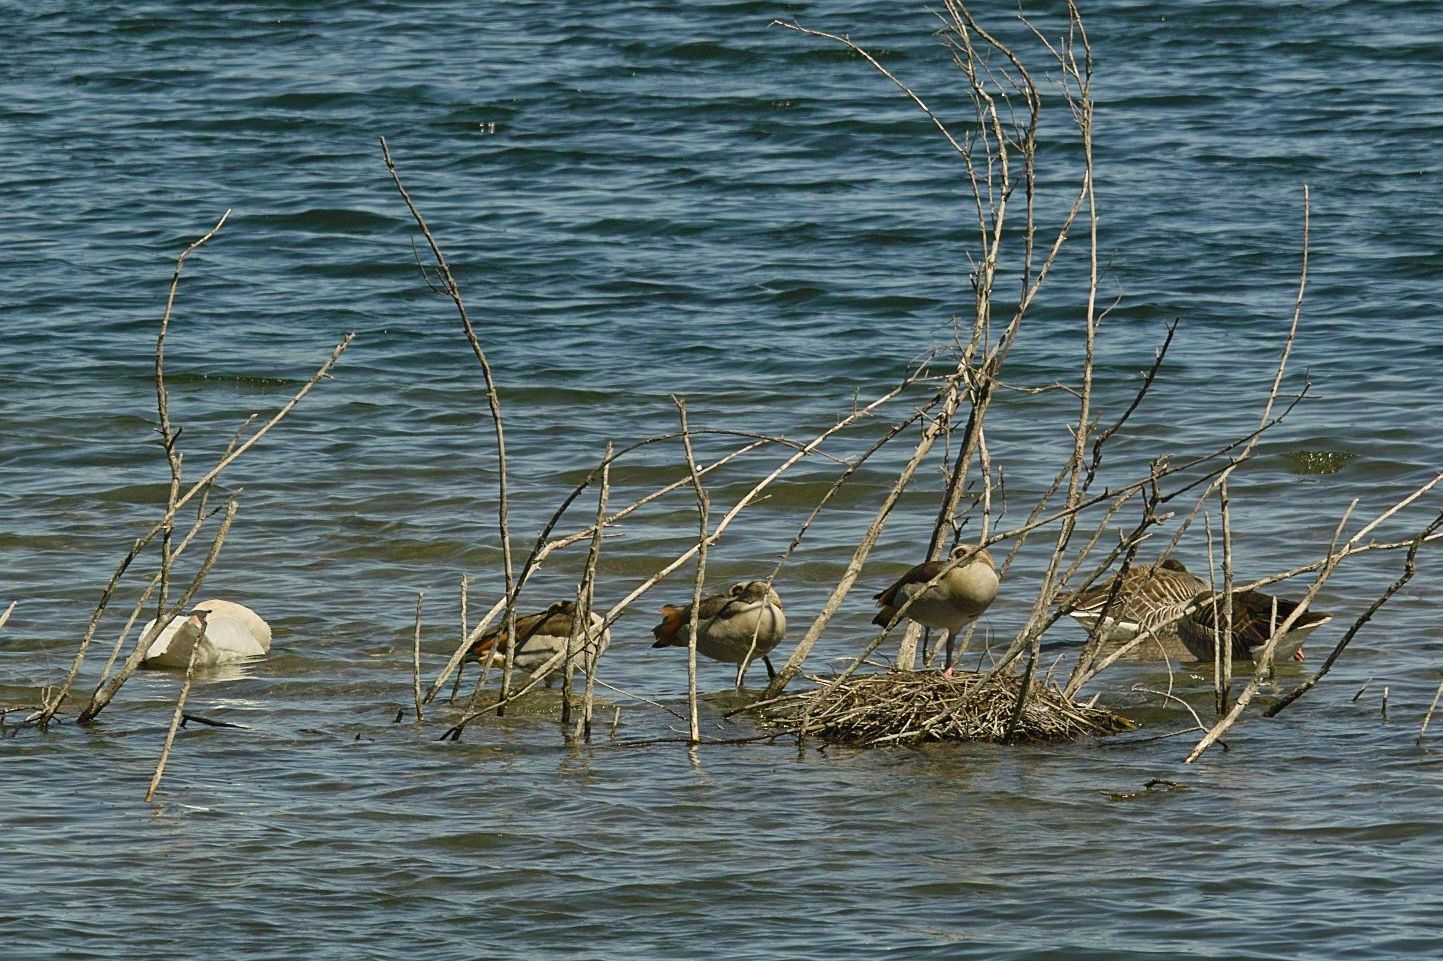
{"x":593,"y":646}
{"x":464,"y":631}
{"x":1423,"y":729}
{"x":176,"y":716}
{"x":703,"y":507}
{"x":416,"y":657}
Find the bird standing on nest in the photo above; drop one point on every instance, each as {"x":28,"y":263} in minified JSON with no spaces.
{"x":736,"y":627}
{"x":957,"y":598}
{"x":539,"y":638}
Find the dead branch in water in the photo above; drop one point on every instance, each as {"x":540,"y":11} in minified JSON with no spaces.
{"x":1410,"y":566}
{"x":493,"y":400}
{"x":175,"y":718}
{"x":202,"y":486}
{"x":703,"y":509}
{"x":105,"y":693}
{"x":586,"y":603}
{"x":1263,"y":659}
{"x":416,"y":657}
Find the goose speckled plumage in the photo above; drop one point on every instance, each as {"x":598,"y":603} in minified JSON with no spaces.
{"x":1255,"y":615}
{"x":956,"y":600}
{"x":540,"y":636}
{"x":1150,"y":596}
{"x":737,"y":627}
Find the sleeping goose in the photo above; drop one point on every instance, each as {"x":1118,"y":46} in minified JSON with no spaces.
{"x":1151,"y":596}
{"x":737,"y":627}
{"x":232,"y":632}
{"x":540,"y":636}
{"x":955,"y":601}
{"x":1255,"y":615}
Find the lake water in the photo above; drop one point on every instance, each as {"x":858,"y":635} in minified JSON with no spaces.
{"x":642,"y":201}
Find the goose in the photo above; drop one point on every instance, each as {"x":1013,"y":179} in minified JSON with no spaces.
{"x":1255,"y":616}
{"x":956,"y":600}
{"x":540,"y":636}
{"x":737,"y":627}
{"x":231,"y":632}
{"x":1151,"y":596}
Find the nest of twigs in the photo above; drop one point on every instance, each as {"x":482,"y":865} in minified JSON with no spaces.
{"x":903,"y":706}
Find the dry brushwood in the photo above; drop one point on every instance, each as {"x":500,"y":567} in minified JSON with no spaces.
{"x":911,"y":706}
{"x":177,"y":498}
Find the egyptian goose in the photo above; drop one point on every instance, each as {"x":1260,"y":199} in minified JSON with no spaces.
{"x":226,"y":631}
{"x":736,"y":627}
{"x":956,"y":600}
{"x":540,"y":637}
{"x":1255,"y":616}
{"x":1151,"y":597}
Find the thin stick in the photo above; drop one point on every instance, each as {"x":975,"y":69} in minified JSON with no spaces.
{"x":175,"y":718}
{"x":5,"y":618}
{"x":703,"y":508}
{"x":493,"y":400}
{"x":1423,"y":729}
{"x":168,"y":433}
{"x":1223,"y":626}
{"x":593,"y":646}
{"x":464,"y":631}
{"x":416,"y":657}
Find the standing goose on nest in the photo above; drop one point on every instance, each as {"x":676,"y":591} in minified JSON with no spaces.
{"x":223,"y":631}
{"x":1152,"y":596}
{"x":540,"y":637}
{"x":736,"y":627}
{"x":955,"y":601}
{"x":1255,"y":616}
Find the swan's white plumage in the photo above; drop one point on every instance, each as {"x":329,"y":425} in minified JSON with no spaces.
{"x":233,"y":631}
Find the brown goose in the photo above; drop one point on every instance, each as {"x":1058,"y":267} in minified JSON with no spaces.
{"x":955,"y":601}
{"x":736,"y":627}
{"x":1255,"y":615}
{"x":1151,"y":596}
{"x":539,"y":638}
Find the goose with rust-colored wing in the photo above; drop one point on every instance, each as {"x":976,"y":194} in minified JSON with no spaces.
{"x":737,"y":627}
{"x":219,"y":632}
{"x":541,"y":636}
{"x":957,"y":599}
{"x":1255,"y":616}
{"x":1151,"y":596}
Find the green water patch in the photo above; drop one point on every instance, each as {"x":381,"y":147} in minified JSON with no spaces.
{"x":1318,"y":461}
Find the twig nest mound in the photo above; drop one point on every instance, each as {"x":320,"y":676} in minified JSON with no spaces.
{"x":907,"y":706}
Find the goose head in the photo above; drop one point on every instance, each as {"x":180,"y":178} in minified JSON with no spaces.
{"x":983,"y":556}
{"x":756,"y":592}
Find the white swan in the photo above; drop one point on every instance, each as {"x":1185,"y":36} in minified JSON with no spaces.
{"x":232,"y":632}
